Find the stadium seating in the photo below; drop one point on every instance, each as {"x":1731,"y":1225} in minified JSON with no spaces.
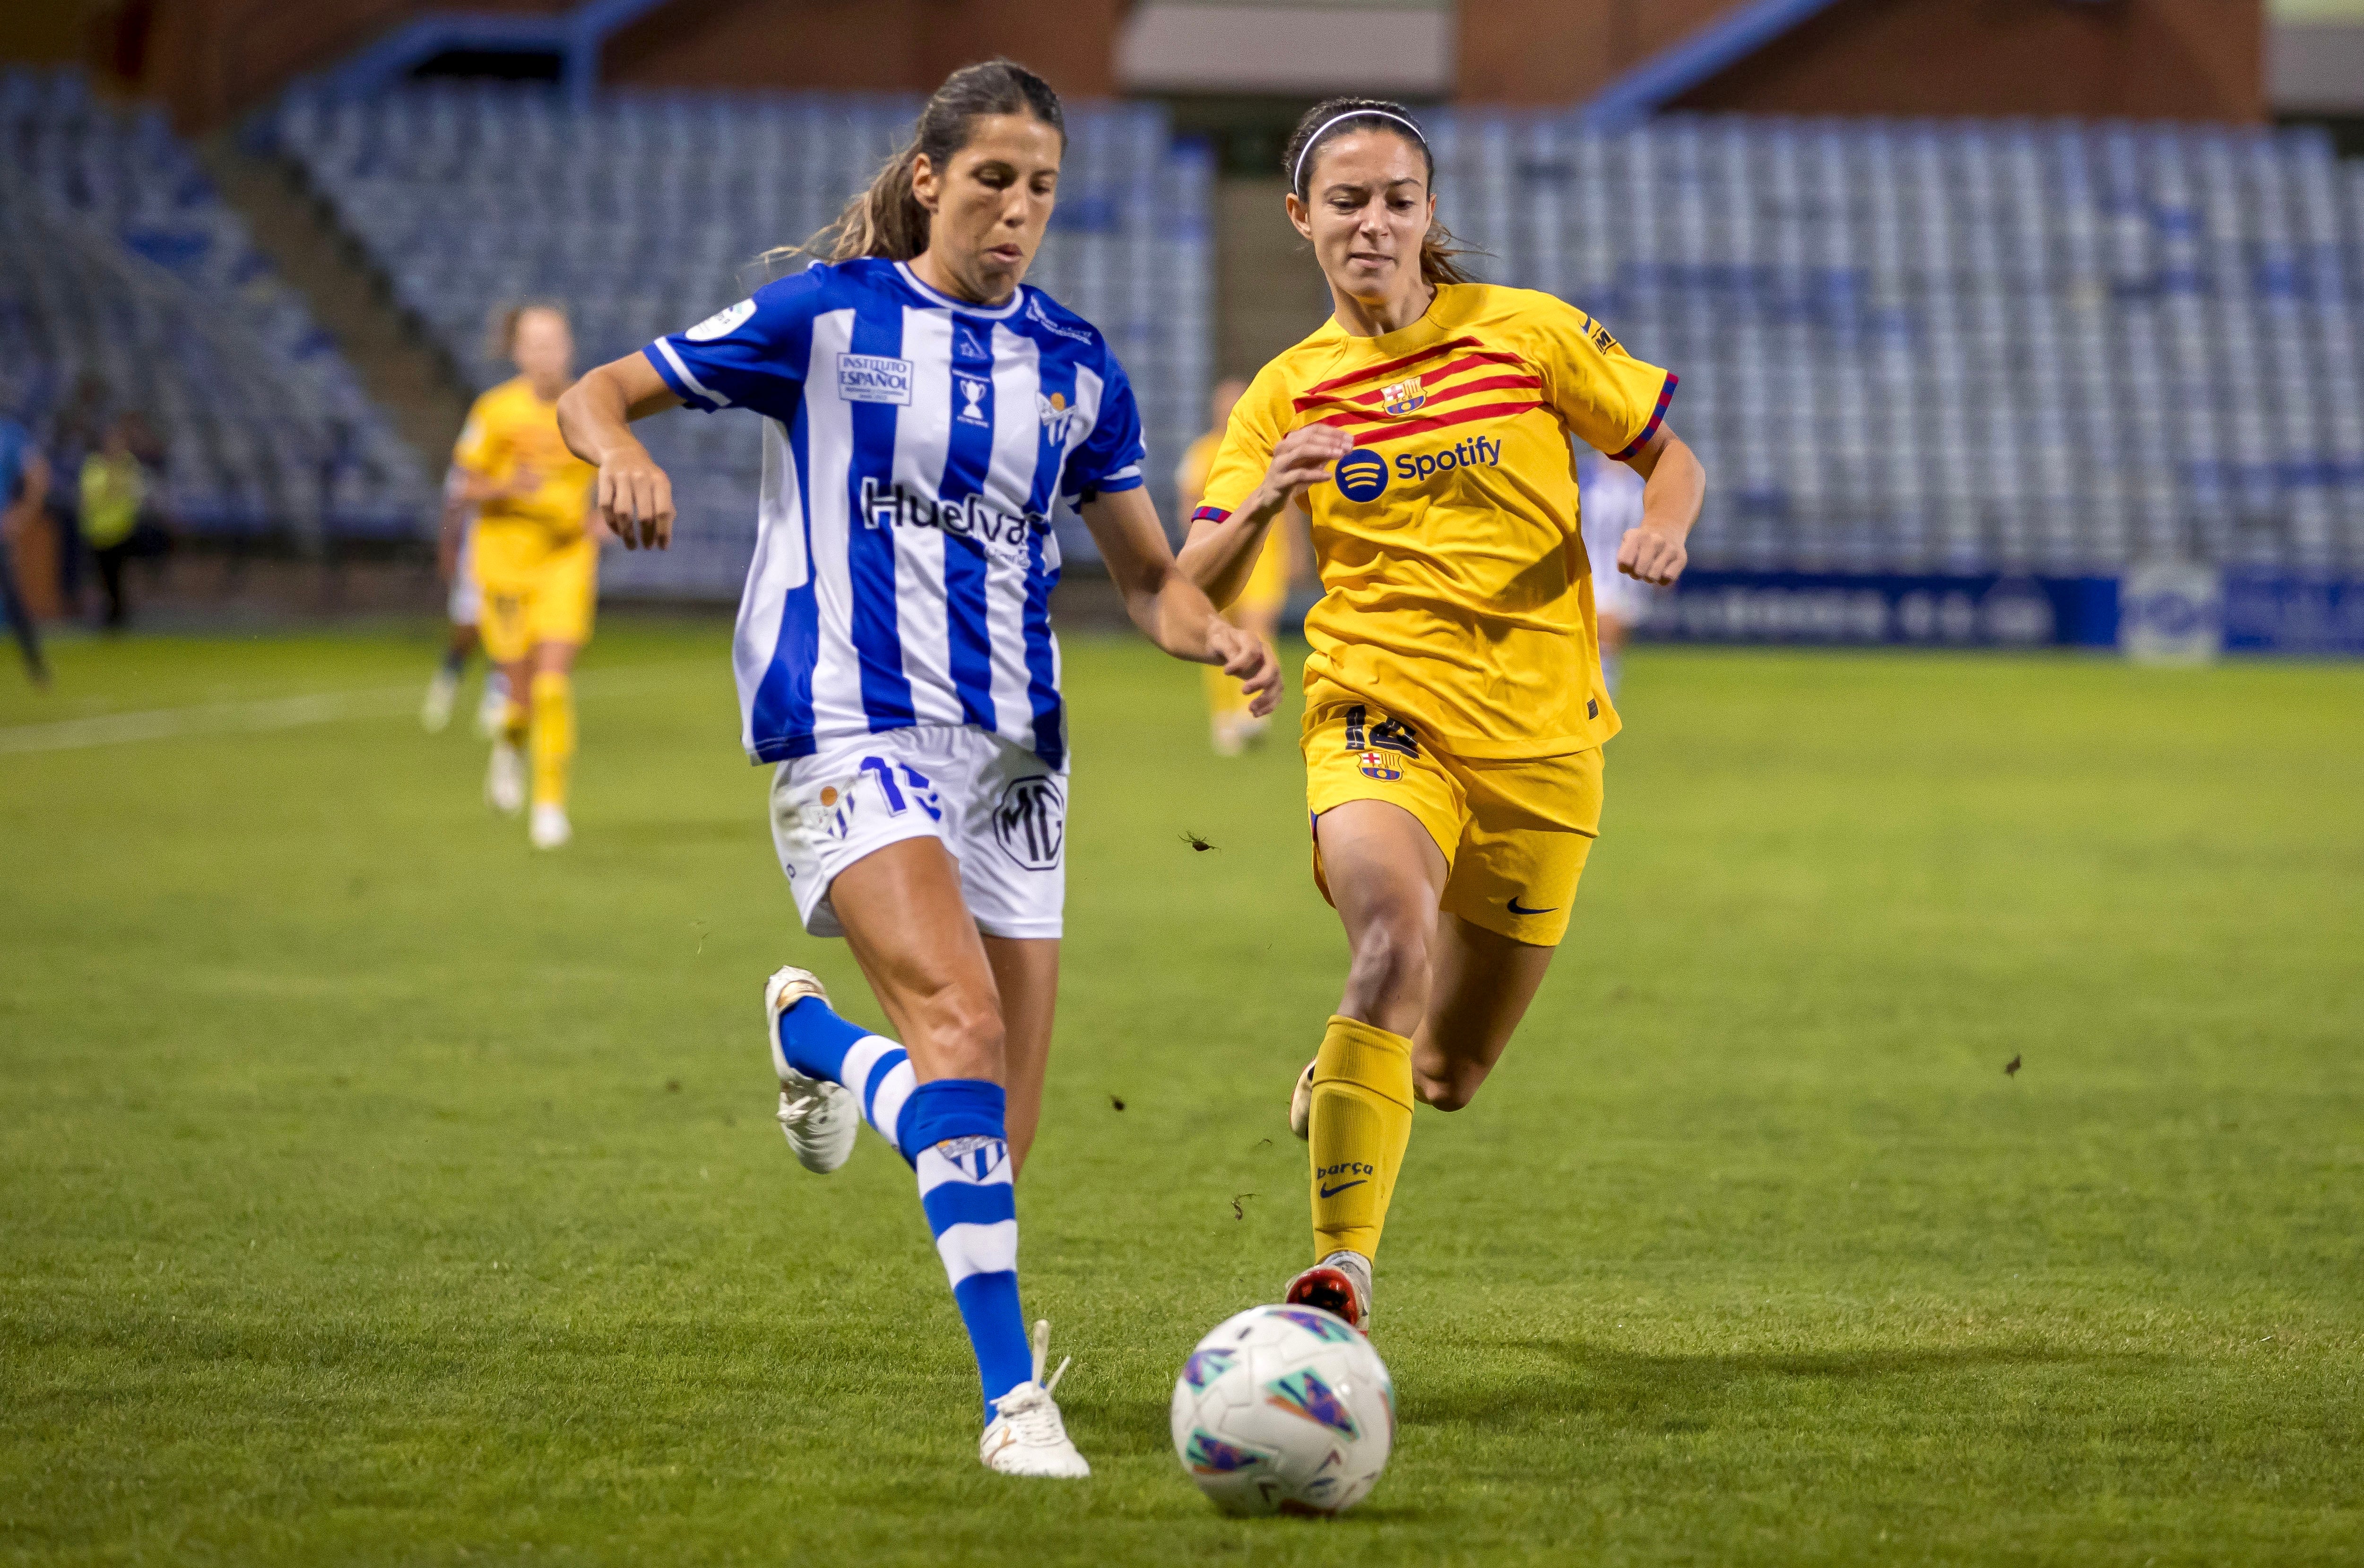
{"x":645,"y":213}
{"x":118,"y":260}
{"x":2011,"y":346}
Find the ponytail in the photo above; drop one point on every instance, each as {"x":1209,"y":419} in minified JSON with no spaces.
{"x":1440,"y":250}
{"x":886,"y":220}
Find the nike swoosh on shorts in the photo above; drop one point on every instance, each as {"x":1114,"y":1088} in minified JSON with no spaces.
{"x":1516,"y":908}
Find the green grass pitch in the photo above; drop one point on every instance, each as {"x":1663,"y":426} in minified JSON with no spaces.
{"x":377,"y":1190}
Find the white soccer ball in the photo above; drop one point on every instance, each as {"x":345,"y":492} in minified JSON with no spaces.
{"x":1284,"y":1410}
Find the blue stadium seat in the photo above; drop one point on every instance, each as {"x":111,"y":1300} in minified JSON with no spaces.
{"x":118,"y":259}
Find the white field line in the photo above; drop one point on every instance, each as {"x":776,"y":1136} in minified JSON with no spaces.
{"x":273,"y":713}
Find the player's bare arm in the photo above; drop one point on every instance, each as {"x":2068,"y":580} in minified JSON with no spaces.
{"x":634,"y":496}
{"x":1167,"y":606}
{"x":1220,"y":555}
{"x":1673,"y":484}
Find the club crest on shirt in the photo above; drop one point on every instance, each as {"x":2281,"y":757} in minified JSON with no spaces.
{"x":1403,"y":397}
{"x":1058,"y":415}
{"x":972,"y":389}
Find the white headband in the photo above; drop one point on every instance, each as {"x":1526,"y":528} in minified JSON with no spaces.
{"x":1297,"y":179}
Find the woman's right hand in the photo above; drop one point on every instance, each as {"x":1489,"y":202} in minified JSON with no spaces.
{"x":635,"y":497}
{"x":1305,"y":456}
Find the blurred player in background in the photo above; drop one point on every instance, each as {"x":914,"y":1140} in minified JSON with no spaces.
{"x":455,"y":558}
{"x":1259,"y":608}
{"x":1611,"y":493}
{"x":1453,"y":707}
{"x":537,"y":562}
{"x":24,"y":490}
{"x":895,"y":659}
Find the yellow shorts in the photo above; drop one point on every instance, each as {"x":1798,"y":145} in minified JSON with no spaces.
{"x":1515,"y":834}
{"x":550,"y":600}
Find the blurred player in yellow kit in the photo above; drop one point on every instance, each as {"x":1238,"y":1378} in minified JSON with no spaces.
{"x":1259,"y":608}
{"x":537,"y":562}
{"x":1455,"y":710}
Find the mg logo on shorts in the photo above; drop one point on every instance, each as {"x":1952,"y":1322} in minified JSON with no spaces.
{"x":1029,"y":822}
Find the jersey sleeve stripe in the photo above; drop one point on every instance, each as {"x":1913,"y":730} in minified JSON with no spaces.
{"x":1459,"y":416}
{"x":1210,"y":515}
{"x":1665,"y":396}
{"x":686,"y":387}
{"x":1390,"y":366}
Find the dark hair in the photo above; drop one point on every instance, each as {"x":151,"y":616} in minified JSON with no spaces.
{"x":887,"y":219}
{"x":1333,"y":117}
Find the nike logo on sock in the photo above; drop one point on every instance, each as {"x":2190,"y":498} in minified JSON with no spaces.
{"x":1341,"y":1186}
{"x":1517,"y":909}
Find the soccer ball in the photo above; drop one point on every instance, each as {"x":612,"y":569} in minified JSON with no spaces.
{"x":1284,"y":1410}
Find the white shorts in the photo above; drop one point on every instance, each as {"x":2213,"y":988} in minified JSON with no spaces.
{"x":1614,"y":593}
{"x":1001,"y":811}
{"x":466,"y":605}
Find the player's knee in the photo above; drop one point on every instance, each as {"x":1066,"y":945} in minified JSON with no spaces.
{"x":1391,"y":960}
{"x":1447,"y":1091}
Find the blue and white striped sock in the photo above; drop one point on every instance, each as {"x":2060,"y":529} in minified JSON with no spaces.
{"x":956,"y":1126}
{"x":818,"y":1043}
{"x":953,"y":1132}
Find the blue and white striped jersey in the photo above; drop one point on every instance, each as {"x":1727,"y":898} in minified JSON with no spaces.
{"x":912,"y":443}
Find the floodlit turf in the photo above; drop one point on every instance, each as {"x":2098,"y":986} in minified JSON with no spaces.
{"x":375,"y":1189}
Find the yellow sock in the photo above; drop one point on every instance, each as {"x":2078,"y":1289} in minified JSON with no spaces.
{"x":1224,"y":698}
{"x":1361,"y":1122}
{"x":553,"y":735}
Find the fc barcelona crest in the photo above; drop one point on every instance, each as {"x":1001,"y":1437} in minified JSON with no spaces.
{"x":1376,"y":766}
{"x":1403,"y":397}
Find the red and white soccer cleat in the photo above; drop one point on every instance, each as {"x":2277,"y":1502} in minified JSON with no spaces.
{"x":1340,"y":1283}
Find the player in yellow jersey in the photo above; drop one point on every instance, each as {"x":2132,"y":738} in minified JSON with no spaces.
{"x":537,"y":561}
{"x":1454,"y":709}
{"x":1259,"y":606}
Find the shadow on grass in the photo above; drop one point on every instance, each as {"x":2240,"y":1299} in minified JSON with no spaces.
{"x":1665,"y":1394}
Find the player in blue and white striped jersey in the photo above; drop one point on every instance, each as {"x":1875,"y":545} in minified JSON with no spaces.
{"x":923,"y":412}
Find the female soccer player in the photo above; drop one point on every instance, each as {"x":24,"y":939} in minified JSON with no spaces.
{"x":536,"y":562}
{"x":1230,"y":726}
{"x":923,"y":412}
{"x":1455,"y":710}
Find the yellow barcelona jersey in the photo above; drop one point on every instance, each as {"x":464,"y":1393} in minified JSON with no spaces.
{"x":1456,"y":593}
{"x":510,"y":432}
{"x":1267,"y":585}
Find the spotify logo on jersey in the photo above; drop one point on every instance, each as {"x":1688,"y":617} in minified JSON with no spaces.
{"x":1362,"y":475}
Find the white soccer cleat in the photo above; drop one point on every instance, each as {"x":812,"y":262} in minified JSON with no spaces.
{"x":435,"y":713}
{"x":1301,"y":1104}
{"x":819,"y":1119}
{"x":1340,"y":1283}
{"x":505,"y":779}
{"x":550,"y":829}
{"x":1026,"y":1435}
